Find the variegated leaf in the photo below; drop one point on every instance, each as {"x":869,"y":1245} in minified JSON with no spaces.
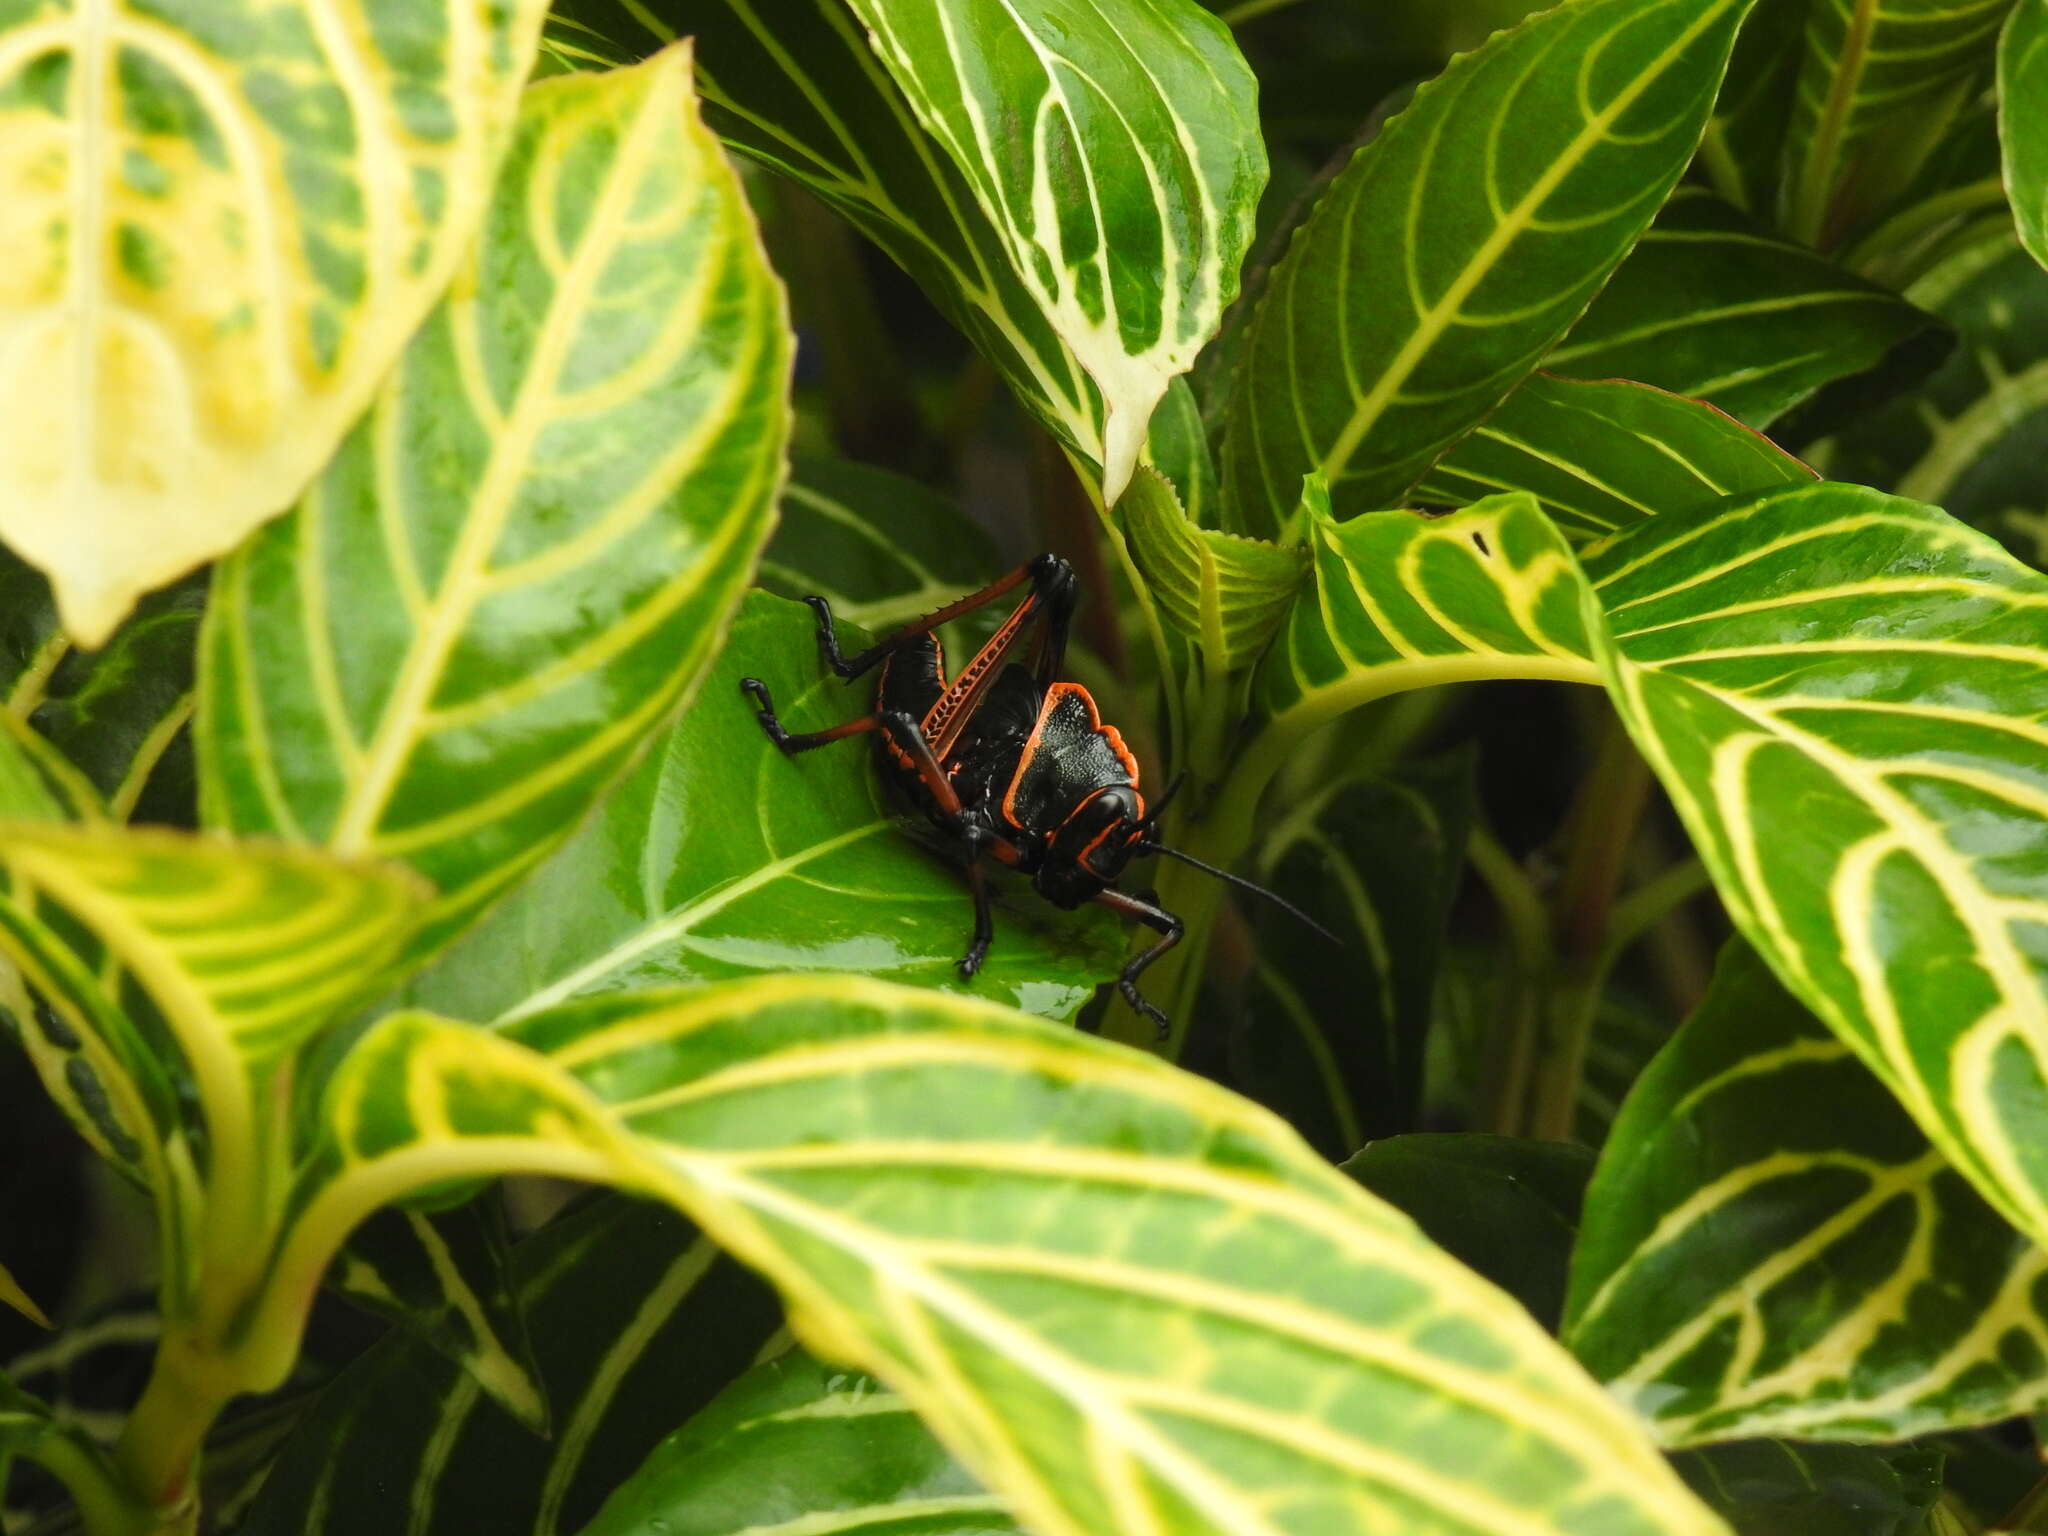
{"x":1972,"y":439}
{"x":1772,"y":1488}
{"x":1227,"y":593}
{"x":119,"y":715}
{"x":1116,"y":150}
{"x":1460,"y":245}
{"x":1712,"y":305}
{"x":1771,"y":1247}
{"x":1333,"y":1040}
{"x":442,"y":1274}
{"x":1843,"y":693}
{"x":883,"y":549}
{"x":525,"y":555}
{"x":793,"y":1441}
{"x":223,"y":220}
{"x":1745,"y":141}
{"x":1179,"y":449}
{"x":1879,"y":81}
{"x":1599,"y":456}
{"x":1072,"y":184}
{"x":242,"y":954}
{"x":638,"y":1321}
{"x":1403,"y":600}
{"x":720,"y":857}
{"x":1020,"y":1228}
{"x":2023,"y":120}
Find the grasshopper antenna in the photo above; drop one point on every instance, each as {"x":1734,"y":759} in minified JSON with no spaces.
{"x":1244,"y":885}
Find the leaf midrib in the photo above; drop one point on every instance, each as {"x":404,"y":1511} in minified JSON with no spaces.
{"x":398,"y":729}
{"x":1439,"y":317}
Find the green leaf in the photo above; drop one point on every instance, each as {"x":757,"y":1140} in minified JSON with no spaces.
{"x":443,"y":1275}
{"x":1971,"y":440}
{"x":115,"y":719}
{"x":223,"y":223}
{"x":1769,"y":1488}
{"x":12,"y":1295}
{"x":1333,"y":1041}
{"x":1840,"y":690}
{"x":719,"y":857}
{"x":1461,"y":244}
{"x":1603,"y":455}
{"x":1402,"y":600}
{"x":637,"y":1322}
{"x":1771,"y":1247}
{"x":1074,"y":185}
{"x":1842,"y":693}
{"x":1179,"y":449}
{"x":794,"y":1440}
{"x":883,"y":548}
{"x":2022,"y":125}
{"x":1712,"y":306}
{"x":245,"y":954}
{"x":1880,"y":81}
{"x":526,"y":554}
{"x":1227,"y":593}
{"x":1507,"y":1208}
{"x":1745,"y":142}
{"x":1117,"y":152}
{"x":1019,"y":1228}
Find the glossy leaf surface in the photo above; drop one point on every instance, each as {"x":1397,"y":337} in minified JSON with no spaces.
{"x":1773,"y":1488}
{"x":527,"y":552}
{"x":1332,"y":1040}
{"x":443,"y":1275}
{"x":1971,"y":439}
{"x":1712,"y":306}
{"x":1460,"y":245}
{"x":224,"y":221}
{"x":1116,"y":151}
{"x":882,"y":548}
{"x":1771,"y":1247}
{"x":1599,"y":456}
{"x":1402,"y":600}
{"x":2023,"y":121}
{"x":1072,"y":184}
{"x":1841,"y":691}
{"x":637,"y":1322}
{"x":1877,"y":76}
{"x":794,"y":1440}
{"x":719,"y":857}
{"x":989,"y":1212}
{"x":1225,"y":592}
{"x":1843,"y":694}
{"x":1506,"y":1207}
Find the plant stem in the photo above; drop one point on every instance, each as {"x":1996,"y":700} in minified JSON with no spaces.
{"x":1602,"y":826}
{"x":1511,"y":1053}
{"x":103,"y":1503}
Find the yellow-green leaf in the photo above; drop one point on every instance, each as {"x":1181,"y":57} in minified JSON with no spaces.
{"x":1844,"y":694}
{"x":11,"y":1294}
{"x":1116,"y":150}
{"x":1226,"y":592}
{"x":243,"y":954}
{"x":1459,"y":245}
{"x":1770,"y":1246}
{"x":1127,"y":1299}
{"x":222,"y":223}
{"x":524,"y":557}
